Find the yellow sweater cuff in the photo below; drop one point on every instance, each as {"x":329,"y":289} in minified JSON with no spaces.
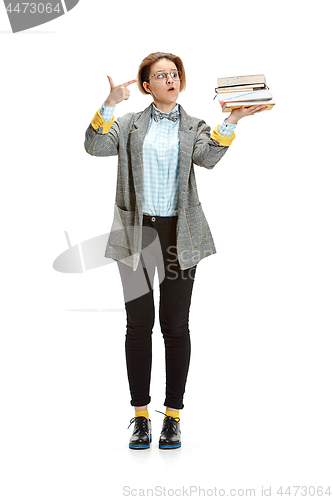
{"x":222,"y":139}
{"x":98,"y":122}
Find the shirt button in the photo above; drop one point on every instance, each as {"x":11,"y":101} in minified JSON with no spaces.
{"x":153,"y":219}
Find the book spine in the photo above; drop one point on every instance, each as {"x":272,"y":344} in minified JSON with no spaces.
{"x":231,"y":88}
{"x":247,"y":101}
{"x":226,"y":108}
{"x":241,"y":80}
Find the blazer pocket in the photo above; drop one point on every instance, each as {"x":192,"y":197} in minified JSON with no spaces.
{"x":122,"y":230}
{"x":197,"y":224}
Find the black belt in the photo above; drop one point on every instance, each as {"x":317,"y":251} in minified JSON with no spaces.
{"x":159,"y":219}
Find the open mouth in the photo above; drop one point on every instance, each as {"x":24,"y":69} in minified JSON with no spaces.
{"x":171,"y":89}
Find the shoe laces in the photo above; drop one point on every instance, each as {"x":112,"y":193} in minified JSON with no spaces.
{"x":170,"y":423}
{"x":142,"y":423}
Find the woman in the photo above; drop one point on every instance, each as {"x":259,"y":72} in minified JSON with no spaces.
{"x":158,"y":222}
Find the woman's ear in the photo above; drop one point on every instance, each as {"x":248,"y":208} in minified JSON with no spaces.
{"x":146,"y":87}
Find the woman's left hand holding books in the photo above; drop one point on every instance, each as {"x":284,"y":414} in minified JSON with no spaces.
{"x":241,"y":112}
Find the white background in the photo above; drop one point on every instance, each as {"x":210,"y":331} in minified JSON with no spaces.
{"x":258,"y":403}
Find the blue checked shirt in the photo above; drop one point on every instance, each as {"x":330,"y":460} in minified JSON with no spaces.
{"x":161,"y":163}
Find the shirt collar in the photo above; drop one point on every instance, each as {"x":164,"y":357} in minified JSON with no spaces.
{"x":155,"y":107}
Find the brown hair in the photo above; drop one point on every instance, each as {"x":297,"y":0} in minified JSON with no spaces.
{"x":144,"y":68}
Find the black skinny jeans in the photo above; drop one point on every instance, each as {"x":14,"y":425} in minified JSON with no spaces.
{"x":159,"y":250}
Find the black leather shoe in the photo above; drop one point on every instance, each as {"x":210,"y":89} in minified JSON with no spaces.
{"x":171,"y":435}
{"x":141,"y":437}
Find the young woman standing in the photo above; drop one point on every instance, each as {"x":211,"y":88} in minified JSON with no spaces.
{"x":158,"y":223}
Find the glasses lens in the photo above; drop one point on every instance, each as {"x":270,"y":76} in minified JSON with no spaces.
{"x":175,"y":75}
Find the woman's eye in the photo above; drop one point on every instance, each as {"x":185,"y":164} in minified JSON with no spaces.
{"x":174,"y":74}
{"x":160,"y":76}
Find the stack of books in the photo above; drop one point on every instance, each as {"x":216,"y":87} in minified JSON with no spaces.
{"x":236,"y":91}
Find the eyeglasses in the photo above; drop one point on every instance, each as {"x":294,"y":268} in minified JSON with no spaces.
{"x":160,"y":77}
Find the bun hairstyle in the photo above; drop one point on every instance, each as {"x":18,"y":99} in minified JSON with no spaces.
{"x":144,"y":68}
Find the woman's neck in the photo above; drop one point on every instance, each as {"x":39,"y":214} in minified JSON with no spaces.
{"x":164,"y":107}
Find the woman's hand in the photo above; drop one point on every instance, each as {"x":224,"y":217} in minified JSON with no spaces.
{"x":239,"y":113}
{"x":118,"y":93}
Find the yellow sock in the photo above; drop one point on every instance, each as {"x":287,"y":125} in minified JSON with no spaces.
{"x":170,"y":413}
{"x":142,"y":413}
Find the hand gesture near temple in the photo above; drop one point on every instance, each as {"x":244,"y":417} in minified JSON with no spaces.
{"x":118,"y":93}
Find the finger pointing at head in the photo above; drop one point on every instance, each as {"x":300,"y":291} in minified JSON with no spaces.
{"x":129,"y":82}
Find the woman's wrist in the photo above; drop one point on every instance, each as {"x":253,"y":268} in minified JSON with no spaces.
{"x":232,"y":120}
{"x":109,"y":103}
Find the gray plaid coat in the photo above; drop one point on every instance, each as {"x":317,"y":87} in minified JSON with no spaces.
{"x":125,"y":139}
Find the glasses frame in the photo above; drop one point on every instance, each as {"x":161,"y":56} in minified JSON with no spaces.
{"x":180,"y":73}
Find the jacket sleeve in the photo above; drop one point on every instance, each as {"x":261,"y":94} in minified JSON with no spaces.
{"x":102,"y":137}
{"x":209,"y":147}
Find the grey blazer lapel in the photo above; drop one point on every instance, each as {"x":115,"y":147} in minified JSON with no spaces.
{"x":186,"y":140}
{"x":137,"y":135}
